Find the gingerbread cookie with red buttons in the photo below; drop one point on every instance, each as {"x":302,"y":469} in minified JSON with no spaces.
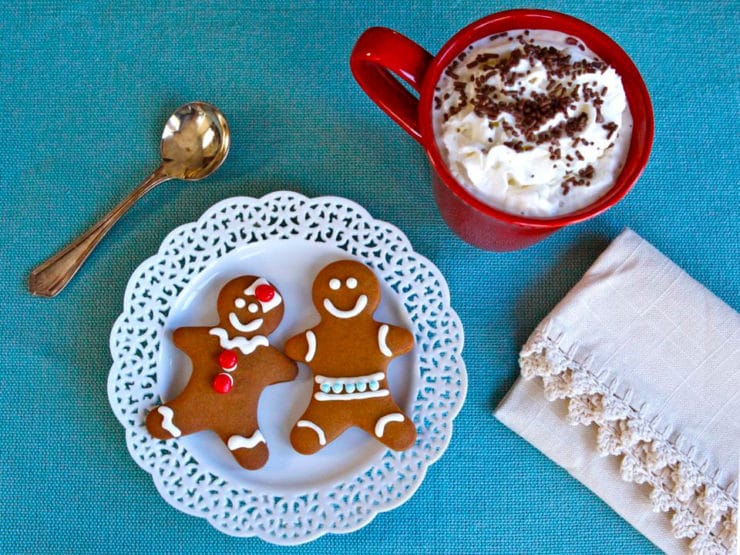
{"x":348,"y":353}
{"x":232,"y":362}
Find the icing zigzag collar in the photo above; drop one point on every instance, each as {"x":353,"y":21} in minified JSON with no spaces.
{"x":246,"y":346}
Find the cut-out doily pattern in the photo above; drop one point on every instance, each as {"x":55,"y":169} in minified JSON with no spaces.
{"x":349,"y":504}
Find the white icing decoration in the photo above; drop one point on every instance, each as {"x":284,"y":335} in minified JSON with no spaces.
{"x":240,"y":303}
{"x":384,"y":420}
{"x":345,"y":314}
{"x":267,"y":306}
{"x":252,"y":325}
{"x":382,"y":336}
{"x":167,"y":424}
{"x":351,"y":283}
{"x":311,"y":340}
{"x":253,"y":307}
{"x":246,"y":346}
{"x":321,"y":396}
{"x":334,"y":284}
{"x":240,"y":442}
{"x":315,"y":428}
{"x":351,"y":379}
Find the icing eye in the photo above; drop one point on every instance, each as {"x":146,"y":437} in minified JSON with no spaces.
{"x":252,"y":307}
{"x":334,"y":284}
{"x":240,"y":303}
{"x":351,"y":283}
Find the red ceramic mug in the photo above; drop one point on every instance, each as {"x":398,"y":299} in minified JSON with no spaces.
{"x":379,"y":53}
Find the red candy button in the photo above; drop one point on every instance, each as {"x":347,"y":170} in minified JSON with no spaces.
{"x":222,"y":383}
{"x":264,"y":292}
{"x":227,"y":360}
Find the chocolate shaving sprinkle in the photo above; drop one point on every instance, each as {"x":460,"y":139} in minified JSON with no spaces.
{"x":495,"y":88}
{"x":517,"y":146}
{"x":482,"y":58}
{"x":587,"y":172}
{"x":576,"y":124}
{"x":610,"y":128}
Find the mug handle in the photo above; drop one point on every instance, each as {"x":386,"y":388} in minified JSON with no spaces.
{"x":378,"y":54}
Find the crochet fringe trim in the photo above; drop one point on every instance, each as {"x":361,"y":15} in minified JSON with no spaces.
{"x":681,"y":482}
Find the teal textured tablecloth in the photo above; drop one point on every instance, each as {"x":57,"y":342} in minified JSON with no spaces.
{"x":84,"y":91}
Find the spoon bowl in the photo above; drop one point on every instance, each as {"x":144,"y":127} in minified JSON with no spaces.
{"x":195,"y":142}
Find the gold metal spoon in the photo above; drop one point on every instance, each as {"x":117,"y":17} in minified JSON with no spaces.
{"x":194,"y":144}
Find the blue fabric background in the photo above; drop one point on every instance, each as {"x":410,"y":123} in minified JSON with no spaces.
{"x":85,"y":89}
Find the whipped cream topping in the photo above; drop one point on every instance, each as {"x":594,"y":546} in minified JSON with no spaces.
{"x":532,"y":122}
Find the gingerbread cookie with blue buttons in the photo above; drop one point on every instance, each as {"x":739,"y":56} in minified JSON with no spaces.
{"x":348,"y":353}
{"x":232,"y":362}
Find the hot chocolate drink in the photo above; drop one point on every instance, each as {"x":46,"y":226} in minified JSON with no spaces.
{"x":532,"y":122}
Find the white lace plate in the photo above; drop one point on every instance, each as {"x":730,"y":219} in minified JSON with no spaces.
{"x":286,"y":238}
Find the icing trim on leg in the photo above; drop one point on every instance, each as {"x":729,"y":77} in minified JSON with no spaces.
{"x":315,"y":428}
{"x":384,"y":420}
{"x":167,"y":424}
{"x":240,"y":442}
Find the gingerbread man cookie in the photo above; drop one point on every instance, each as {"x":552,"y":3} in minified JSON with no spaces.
{"x":232,"y":363}
{"x":348,"y":353}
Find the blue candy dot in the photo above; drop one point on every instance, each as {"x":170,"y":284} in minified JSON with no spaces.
{"x":350,"y":387}
{"x":374,"y":385}
{"x":361,"y":386}
{"x":325,"y":387}
{"x":336,"y":387}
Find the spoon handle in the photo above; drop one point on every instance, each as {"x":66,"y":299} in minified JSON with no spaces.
{"x":52,"y":275}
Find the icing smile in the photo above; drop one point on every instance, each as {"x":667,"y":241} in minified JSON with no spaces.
{"x":344,"y":314}
{"x":252,"y":325}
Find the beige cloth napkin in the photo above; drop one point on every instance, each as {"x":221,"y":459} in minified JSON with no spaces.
{"x":632,"y":384}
